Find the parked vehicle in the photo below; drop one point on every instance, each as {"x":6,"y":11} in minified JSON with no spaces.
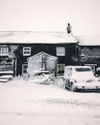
{"x":80,"y":78}
{"x":6,"y":78}
{"x":43,"y":77}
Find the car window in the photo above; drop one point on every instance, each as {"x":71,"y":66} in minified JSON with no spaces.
{"x":83,"y":69}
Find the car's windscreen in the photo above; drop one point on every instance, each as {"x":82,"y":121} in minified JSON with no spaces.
{"x":83,"y":69}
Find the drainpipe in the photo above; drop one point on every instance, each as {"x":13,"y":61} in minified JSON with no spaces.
{"x":79,"y":54}
{"x":15,"y":67}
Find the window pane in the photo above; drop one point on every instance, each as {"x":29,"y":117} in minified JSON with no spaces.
{"x":26,"y":51}
{"x":4,"y":51}
{"x":60,"y":51}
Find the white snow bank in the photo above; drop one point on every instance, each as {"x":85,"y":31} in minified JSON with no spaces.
{"x":26,"y":103}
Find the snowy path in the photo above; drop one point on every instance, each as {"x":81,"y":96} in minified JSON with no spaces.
{"x":24,"y":103}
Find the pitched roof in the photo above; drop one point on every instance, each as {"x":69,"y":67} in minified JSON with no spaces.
{"x":42,"y":54}
{"x":88,"y":40}
{"x":36,"y":37}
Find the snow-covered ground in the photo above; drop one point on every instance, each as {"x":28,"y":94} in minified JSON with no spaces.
{"x":26,"y":103}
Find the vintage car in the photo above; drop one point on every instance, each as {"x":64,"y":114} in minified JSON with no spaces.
{"x":80,"y":78}
{"x":43,"y":77}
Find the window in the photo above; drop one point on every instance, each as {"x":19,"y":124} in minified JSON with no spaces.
{"x":60,"y":51}
{"x":24,"y":68}
{"x":83,"y":69}
{"x":26,"y":51}
{"x":60,"y":67}
{"x":4,"y":51}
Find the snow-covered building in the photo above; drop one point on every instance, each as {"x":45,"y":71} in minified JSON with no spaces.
{"x":20,"y":50}
{"x":89,"y":51}
{"x":18,"y":47}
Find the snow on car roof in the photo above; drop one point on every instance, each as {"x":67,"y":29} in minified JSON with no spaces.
{"x":36,"y":37}
{"x":78,"y":66}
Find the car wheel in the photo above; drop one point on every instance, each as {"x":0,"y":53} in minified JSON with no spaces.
{"x":72,"y":87}
{"x":66,"y":87}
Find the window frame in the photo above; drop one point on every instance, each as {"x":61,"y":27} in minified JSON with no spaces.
{"x":26,"y":52}
{"x":3,"y":52}
{"x":60,"y":67}
{"x":60,"y":52}
{"x":24,"y":69}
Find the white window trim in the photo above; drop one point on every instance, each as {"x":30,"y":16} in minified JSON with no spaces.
{"x":58,"y":50}
{"x":1,"y":51}
{"x":28,"y":49}
{"x":23,"y":69}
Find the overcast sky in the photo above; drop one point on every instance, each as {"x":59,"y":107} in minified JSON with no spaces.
{"x":51,"y":15}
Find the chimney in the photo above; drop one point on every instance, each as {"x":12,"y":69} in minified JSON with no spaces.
{"x":69,"y":28}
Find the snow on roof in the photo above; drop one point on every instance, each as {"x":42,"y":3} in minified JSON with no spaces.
{"x":36,"y":37}
{"x":88,"y":40}
{"x":41,"y":54}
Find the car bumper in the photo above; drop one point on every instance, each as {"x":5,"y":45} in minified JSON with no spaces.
{"x":88,"y":87}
